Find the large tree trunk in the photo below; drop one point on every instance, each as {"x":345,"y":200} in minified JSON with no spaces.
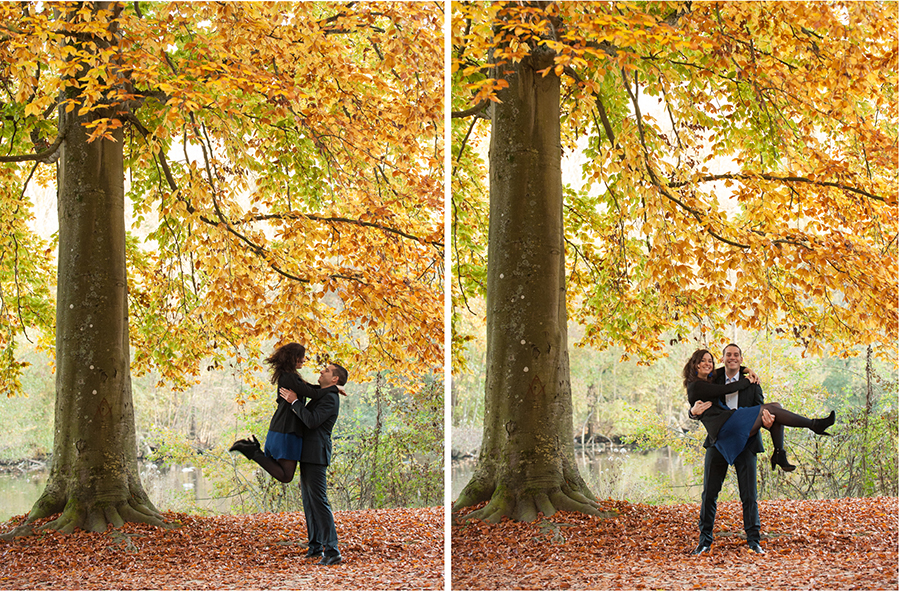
{"x":527,"y":461}
{"x":94,"y":477}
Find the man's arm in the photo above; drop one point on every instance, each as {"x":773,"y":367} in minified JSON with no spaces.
{"x":326,"y":408}
{"x":698,"y":409}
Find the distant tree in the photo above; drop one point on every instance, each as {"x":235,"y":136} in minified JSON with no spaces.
{"x":760,"y":192}
{"x":282,"y":163}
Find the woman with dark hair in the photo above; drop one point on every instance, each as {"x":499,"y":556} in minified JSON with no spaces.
{"x":284,"y":442}
{"x":730,"y":429}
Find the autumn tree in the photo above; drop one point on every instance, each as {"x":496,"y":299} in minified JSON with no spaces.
{"x":739,"y":169}
{"x":281,"y":163}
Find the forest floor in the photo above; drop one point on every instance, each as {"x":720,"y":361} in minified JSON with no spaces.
{"x":822,"y":544}
{"x":382,"y":549}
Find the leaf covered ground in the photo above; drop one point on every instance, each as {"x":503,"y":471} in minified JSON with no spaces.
{"x":382,"y":549}
{"x":821,"y":544}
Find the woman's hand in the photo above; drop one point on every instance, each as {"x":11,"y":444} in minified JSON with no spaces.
{"x":341,"y":390}
{"x":751,"y":375}
{"x":288,"y":395}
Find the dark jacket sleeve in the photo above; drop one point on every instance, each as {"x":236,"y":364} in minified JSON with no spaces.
{"x":709,"y":392}
{"x":295,"y":383}
{"x":325,"y":409}
{"x":757,"y":395}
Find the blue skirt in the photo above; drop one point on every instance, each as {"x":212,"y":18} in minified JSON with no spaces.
{"x":283,"y":446}
{"x":735,"y":433}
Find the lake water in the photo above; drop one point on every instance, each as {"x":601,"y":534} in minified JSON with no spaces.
{"x":170,"y":489}
{"x":615,"y":473}
{"x":620,"y":474}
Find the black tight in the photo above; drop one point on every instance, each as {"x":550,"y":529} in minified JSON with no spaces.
{"x":281,"y":470}
{"x":783,"y":418}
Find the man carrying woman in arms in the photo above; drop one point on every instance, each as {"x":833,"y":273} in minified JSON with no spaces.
{"x":730,"y":406}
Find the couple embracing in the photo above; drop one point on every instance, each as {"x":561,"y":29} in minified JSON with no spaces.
{"x":729,"y":403}
{"x":300,"y":432}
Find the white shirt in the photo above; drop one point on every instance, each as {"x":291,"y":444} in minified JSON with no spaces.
{"x":731,"y":400}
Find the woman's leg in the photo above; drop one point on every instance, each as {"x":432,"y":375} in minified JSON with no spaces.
{"x":776,"y":431}
{"x":282,"y":470}
{"x":779,"y":456}
{"x":789,"y":419}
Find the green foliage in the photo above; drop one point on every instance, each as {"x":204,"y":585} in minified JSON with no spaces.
{"x":645,"y":407}
{"x":387,"y":453}
{"x":387,"y":443}
{"x":28,"y":419}
{"x":651,"y":431}
{"x":398,"y":460}
{"x":858,"y":460}
{"x":467,"y":388}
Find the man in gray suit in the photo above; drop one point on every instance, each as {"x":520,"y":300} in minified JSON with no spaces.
{"x":319,"y":417}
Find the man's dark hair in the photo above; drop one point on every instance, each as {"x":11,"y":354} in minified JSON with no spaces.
{"x":732,"y":345}
{"x":341,"y":373}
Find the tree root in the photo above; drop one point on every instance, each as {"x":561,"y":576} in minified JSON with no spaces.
{"x":475,"y":492}
{"x":26,"y":529}
{"x":528,"y":506}
{"x":94,"y":518}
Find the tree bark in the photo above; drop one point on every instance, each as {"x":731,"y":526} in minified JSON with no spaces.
{"x":94,"y":478}
{"x":527,"y":460}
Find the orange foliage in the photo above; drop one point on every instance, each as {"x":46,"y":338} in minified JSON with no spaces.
{"x":736,"y":165}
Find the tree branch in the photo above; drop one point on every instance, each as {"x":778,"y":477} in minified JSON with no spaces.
{"x":703,"y":220}
{"x":462,"y":147}
{"x":46,"y":155}
{"x":476,"y":110}
{"x":783,"y":179}
{"x":324,"y":219}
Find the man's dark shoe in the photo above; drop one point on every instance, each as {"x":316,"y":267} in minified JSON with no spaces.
{"x":314,"y":554}
{"x":755,"y":547}
{"x":331,"y":560}
{"x":701,"y":549}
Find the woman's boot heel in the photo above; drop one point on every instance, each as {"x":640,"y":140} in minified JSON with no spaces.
{"x":780,"y":458}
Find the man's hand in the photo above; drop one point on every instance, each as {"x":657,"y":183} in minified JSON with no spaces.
{"x":768,"y":419}
{"x":700,"y":407}
{"x":288,"y":395}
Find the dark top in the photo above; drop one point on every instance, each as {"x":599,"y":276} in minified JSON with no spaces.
{"x":716,"y":415}
{"x":319,"y":417}
{"x":285,"y":421}
{"x":749,"y":396}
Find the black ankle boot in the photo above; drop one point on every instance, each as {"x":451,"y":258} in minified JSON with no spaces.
{"x":780,"y":458}
{"x":248,"y":447}
{"x":819,"y":425}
